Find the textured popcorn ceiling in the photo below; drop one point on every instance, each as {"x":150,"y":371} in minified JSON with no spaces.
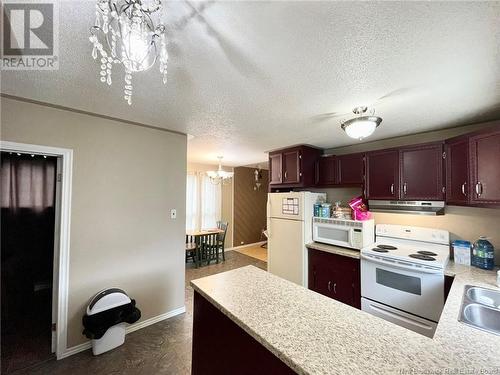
{"x":246,"y":77}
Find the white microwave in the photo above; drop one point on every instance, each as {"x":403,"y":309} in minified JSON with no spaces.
{"x":346,"y":233}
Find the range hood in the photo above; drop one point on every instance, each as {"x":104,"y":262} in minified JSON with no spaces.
{"x":407,"y":207}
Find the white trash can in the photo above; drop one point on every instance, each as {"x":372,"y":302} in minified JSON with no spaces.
{"x":114,"y":336}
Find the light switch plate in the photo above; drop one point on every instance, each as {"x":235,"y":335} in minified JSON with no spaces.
{"x":173,"y":213}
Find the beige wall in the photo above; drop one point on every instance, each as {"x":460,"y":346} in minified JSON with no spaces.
{"x":466,"y":223}
{"x":125,"y":181}
{"x":227,"y":198}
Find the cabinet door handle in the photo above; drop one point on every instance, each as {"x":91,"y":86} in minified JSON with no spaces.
{"x":335,"y":288}
{"x":479,"y":188}
{"x":392,"y":189}
{"x":463,"y":188}
{"x":329,"y":286}
{"x":285,"y":175}
{"x":405,"y":188}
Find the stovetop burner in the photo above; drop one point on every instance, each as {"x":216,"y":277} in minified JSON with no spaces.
{"x":387,"y":247}
{"x":429,"y":253}
{"x":421,"y":257}
{"x":379,"y":250}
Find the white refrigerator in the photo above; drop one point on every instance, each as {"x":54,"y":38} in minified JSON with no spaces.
{"x":289,"y":227}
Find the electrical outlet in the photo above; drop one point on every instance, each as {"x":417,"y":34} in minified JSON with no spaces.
{"x":173,"y":213}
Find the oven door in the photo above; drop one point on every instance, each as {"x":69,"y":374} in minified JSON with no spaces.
{"x":419,"y":292}
{"x":332,"y":234}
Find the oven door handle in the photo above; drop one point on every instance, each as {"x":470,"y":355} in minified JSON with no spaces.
{"x":400,"y":265}
{"x":385,"y":312}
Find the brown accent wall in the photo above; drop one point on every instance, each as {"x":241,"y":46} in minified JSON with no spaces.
{"x":249,"y":206}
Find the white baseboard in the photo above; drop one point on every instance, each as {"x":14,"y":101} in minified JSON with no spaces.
{"x":142,"y":324}
{"x":129,"y":329}
{"x":75,"y":349}
{"x":247,"y":245}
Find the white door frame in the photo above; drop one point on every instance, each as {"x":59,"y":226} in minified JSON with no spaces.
{"x":63,"y":242}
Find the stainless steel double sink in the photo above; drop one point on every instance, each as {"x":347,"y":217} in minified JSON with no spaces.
{"x":481,"y":309}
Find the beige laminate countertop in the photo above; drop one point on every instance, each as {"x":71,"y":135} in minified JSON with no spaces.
{"x":314,"y":334}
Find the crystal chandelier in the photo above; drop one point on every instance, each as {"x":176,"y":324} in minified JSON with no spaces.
{"x":125,"y":33}
{"x":219,"y":176}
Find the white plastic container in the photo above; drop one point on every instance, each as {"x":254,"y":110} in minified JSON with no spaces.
{"x":115,"y":335}
{"x":462,"y":252}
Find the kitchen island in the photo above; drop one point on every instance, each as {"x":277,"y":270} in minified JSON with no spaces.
{"x":313,"y":334}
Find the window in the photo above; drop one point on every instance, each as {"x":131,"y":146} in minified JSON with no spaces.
{"x":203,"y":205}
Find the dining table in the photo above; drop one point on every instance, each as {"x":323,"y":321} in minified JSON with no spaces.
{"x":197,"y":236}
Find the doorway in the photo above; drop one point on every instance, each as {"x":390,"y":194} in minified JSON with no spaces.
{"x":28,"y":217}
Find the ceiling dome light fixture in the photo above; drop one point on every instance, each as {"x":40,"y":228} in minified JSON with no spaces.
{"x":219,"y":176}
{"x":362,"y":126}
{"x":125,"y":33}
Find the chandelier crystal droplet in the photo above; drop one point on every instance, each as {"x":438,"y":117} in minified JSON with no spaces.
{"x":125,"y":33}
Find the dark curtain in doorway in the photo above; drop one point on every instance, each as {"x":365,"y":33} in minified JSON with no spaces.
{"x":27,"y":199}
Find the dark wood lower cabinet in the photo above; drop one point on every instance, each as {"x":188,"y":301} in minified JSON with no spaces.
{"x":221,"y":347}
{"x":335,"y":276}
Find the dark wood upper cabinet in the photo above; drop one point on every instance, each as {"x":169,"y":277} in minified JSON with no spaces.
{"x":275,"y":169}
{"x":457,"y":170}
{"x":335,"y":276}
{"x":350,"y":169}
{"x":485,"y":168}
{"x":421,"y":172}
{"x":291,"y":167}
{"x":326,"y":168}
{"x":382,"y":174}
{"x":464,"y":170}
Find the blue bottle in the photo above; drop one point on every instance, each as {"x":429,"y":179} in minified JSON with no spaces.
{"x":483,"y":254}
{"x":317,"y":209}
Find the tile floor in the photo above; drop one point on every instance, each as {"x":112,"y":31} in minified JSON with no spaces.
{"x":162,"y":348}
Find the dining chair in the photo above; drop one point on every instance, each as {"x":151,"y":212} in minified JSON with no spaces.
{"x":221,"y":237}
{"x":208,"y":248}
{"x":191,"y":248}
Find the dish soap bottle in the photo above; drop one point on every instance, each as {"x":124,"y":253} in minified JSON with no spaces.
{"x":483,"y":254}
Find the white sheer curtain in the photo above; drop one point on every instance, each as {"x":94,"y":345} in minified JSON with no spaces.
{"x":210,"y":203}
{"x":204,"y":202}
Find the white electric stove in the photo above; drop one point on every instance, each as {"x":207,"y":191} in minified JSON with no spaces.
{"x":402,"y":276}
